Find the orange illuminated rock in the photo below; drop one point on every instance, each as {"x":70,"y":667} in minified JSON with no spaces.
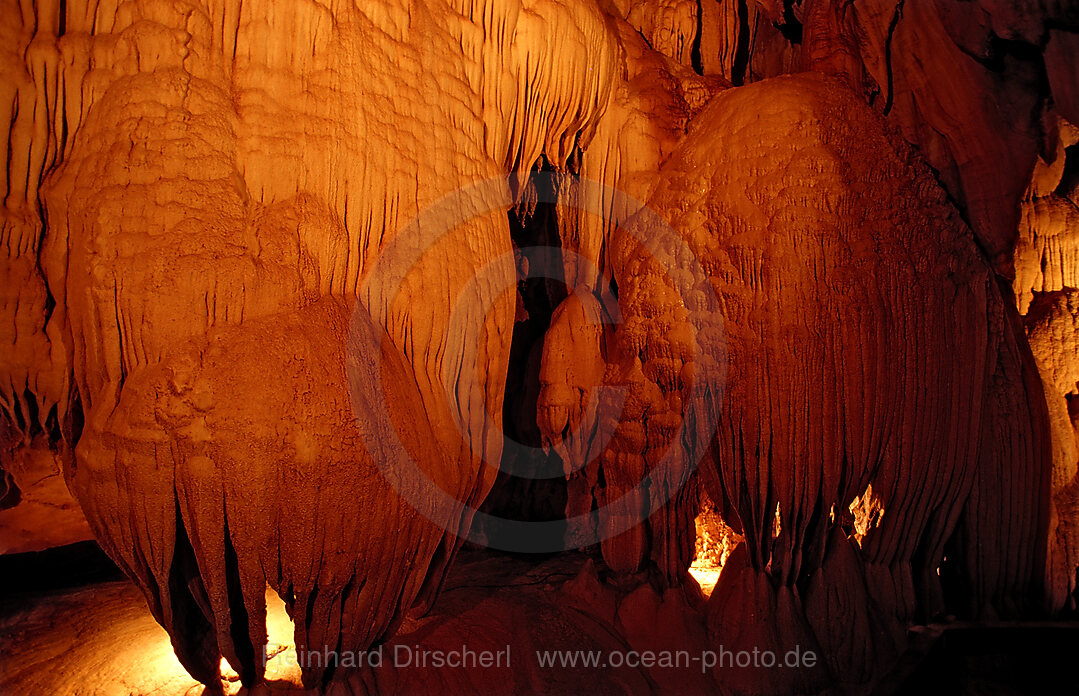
{"x":261,"y":294}
{"x":829,"y":249}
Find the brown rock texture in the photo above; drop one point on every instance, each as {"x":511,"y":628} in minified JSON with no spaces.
{"x":1046,"y":287}
{"x":806,"y":423}
{"x":268,"y":300}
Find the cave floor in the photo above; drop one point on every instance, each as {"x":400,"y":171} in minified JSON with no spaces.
{"x":98,"y":639}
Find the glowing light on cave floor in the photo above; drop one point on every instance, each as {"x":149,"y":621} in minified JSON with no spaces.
{"x":103,"y":641}
{"x":706,"y":577}
{"x":100,"y":640}
{"x":715,"y":541}
{"x":281,"y":662}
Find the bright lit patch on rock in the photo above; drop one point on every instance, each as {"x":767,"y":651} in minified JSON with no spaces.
{"x":868,"y":511}
{"x":714,"y":542}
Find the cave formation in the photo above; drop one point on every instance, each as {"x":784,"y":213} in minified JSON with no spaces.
{"x":433,"y":328}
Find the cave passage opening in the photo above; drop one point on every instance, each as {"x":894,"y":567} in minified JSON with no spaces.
{"x":537,"y":243}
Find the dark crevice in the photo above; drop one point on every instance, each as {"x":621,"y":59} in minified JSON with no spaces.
{"x":18,"y":418}
{"x":896,"y":16}
{"x":1000,"y":50}
{"x":52,"y":429}
{"x":32,"y":413}
{"x":75,"y":419}
{"x":954,"y":582}
{"x":741,"y":55}
{"x":193,"y":634}
{"x":50,"y":304}
{"x":695,"y":51}
{"x":790,"y":27}
{"x":239,"y":622}
{"x":1042,"y":305}
{"x":10,"y":495}
{"x":1069,"y":179}
{"x":10,"y":148}
{"x":59,"y":568}
{"x":309,"y":613}
{"x":537,"y":244}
